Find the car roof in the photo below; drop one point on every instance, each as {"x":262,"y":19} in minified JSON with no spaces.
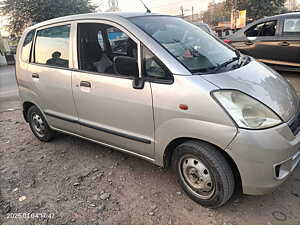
{"x":105,"y":15}
{"x":281,"y":15}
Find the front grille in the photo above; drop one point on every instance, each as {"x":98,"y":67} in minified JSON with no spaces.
{"x":295,"y":123}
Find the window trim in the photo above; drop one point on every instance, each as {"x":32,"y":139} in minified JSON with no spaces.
{"x":31,"y":47}
{"x":169,"y":78}
{"x":32,"y":57}
{"x":110,"y":23}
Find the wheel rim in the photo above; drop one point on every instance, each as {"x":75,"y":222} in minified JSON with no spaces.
{"x":38,"y":124}
{"x":196,"y":177}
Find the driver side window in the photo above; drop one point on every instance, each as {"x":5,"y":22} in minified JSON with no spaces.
{"x":262,"y":29}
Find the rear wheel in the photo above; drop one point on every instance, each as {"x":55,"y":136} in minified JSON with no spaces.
{"x":203,"y":173}
{"x":39,"y":125}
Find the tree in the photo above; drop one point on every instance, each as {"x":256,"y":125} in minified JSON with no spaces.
{"x":257,"y":9}
{"x":24,"y":13}
{"x":216,"y":13}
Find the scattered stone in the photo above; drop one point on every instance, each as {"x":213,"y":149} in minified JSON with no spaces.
{"x":105,"y":196}
{"x":142,"y":197}
{"x":189,"y":208}
{"x":15,"y":190}
{"x":151,"y":213}
{"x":236,"y":201}
{"x":22,"y":149}
{"x":76,"y":184}
{"x":92,"y":205}
{"x":30,"y":184}
{"x":178,"y":193}
{"x":95,"y":170}
{"x":22,"y":198}
{"x":295,"y":194}
{"x":100,"y":208}
{"x":41,"y":173}
{"x":153,"y":207}
{"x":280,"y":216}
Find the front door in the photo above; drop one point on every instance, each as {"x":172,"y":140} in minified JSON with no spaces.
{"x":110,"y":110}
{"x":262,"y":41}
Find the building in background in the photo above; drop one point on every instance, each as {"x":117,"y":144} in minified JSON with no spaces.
{"x":291,"y":5}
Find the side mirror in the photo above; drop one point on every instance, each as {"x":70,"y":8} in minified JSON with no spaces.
{"x":251,"y":38}
{"x":138,"y":83}
{"x":126,"y":66}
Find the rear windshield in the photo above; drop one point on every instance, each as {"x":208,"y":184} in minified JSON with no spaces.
{"x":197,"y":50}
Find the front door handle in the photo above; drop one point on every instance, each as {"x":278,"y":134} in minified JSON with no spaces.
{"x":285,"y":43}
{"x":249,"y":43}
{"x":35,"y":75}
{"x":85,"y":84}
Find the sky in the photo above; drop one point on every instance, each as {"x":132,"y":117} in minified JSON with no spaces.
{"x":160,"y":6}
{"x":171,"y":7}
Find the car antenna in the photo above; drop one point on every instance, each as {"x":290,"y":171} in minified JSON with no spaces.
{"x":148,"y":10}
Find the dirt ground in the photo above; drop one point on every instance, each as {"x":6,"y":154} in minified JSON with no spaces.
{"x":72,"y":181}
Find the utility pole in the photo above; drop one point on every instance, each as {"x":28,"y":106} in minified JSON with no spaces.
{"x":192,"y":13}
{"x":234,"y":10}
{"x":181,"y":9}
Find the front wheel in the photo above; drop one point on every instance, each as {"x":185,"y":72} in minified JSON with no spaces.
{"x":203,"y":173}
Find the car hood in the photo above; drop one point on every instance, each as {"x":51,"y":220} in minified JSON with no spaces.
{"x":262,"y":83}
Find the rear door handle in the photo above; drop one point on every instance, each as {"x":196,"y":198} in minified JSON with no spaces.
{"x":285,"y":43}
{"x":35,"y":75}
{"x":85,"y":84}
{"x":249,"y":43}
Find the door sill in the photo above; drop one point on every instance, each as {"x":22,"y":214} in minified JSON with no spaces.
{"x":280,"y":63}
{"x":106,"y":145}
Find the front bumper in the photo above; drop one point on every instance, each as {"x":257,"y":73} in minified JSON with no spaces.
{"x":265,"y":158}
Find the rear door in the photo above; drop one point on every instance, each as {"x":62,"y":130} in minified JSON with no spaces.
{"x":51,"y":76}
{"x":289,"y":41}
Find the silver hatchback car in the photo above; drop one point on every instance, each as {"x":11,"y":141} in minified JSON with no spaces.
{"x":160,"y":88}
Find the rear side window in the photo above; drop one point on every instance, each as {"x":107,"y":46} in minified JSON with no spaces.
{"x":52,"y":46}
{"x":262,"y":29}
{"x":26,"y":49}
{"x":292,"y":26}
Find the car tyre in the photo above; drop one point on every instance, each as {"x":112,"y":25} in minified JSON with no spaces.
{"x":203,"y":173}
{"x":39,"y":125}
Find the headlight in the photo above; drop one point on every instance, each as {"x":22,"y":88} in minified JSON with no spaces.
{"x":246,"y":111}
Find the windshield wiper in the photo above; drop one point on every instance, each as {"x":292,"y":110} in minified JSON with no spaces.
{"x":220,"y":66}
{"x":237,"y":58}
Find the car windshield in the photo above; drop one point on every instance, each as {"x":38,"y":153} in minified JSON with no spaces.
{"x":194,"y":48}
{"x":203,"y":27}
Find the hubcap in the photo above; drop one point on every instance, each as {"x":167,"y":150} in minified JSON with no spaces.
{"x":38,"y":125}
{"x":197,"y":177}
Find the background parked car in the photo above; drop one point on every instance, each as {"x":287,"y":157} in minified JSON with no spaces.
{"x":272,"y":40}
{"x":205,"y":27}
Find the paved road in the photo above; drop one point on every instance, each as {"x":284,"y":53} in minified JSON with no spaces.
{"x":9,"y":99}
